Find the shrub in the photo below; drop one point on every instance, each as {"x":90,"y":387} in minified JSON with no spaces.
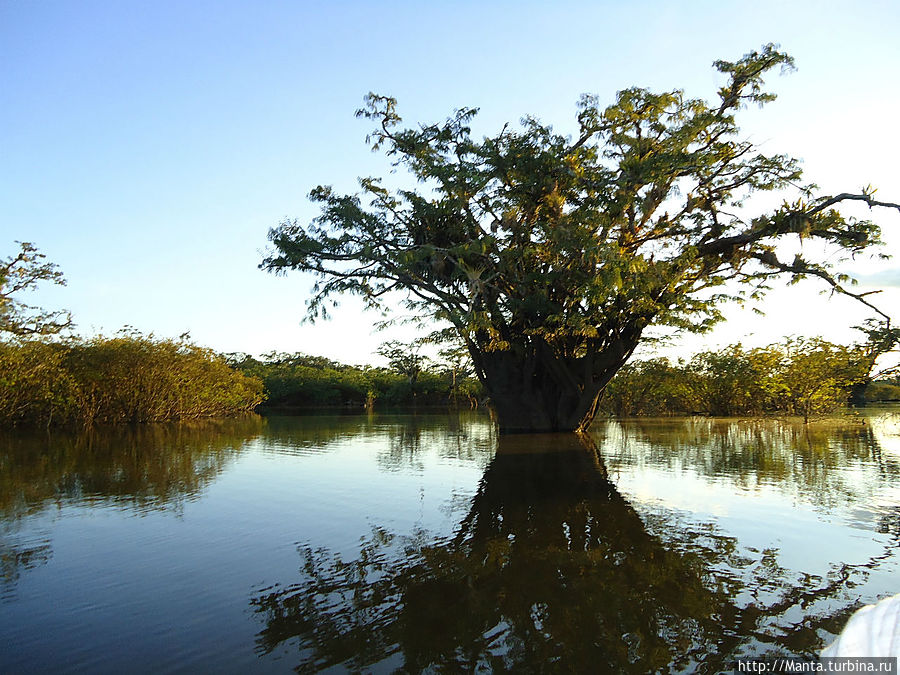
{"x":127,"y":378}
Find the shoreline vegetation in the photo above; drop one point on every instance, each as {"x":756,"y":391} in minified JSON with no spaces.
{"x":135,"y":378}
{"x":128,"y":378}
{"x":806,"y":378}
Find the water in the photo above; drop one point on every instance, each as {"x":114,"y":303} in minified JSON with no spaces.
{"x":426,"y":543}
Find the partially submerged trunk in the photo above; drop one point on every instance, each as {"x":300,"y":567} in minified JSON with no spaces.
{"x":535,"y":390}
{"x":857,"y":394}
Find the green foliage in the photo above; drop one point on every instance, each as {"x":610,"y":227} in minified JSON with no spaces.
{"x":404,"y":359}
{"x":457,"y":364}
{"x":735,"y":381}
{"x":127,"y":378}
{"x":303,"y":381}
{"x":550,"y":255}
{"x":818,"y":376}
{"x":882,"y":390}
{"x":652,"y":387}
{"x":35,"y":385}
{"x":802,"y":377}
{"x":23,"y":272}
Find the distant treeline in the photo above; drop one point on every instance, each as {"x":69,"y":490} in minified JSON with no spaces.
{"x":127,"y":378}
{"x":797,"y":377}
{"x":296,"y":381}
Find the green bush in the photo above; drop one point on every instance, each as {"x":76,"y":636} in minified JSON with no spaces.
{"x":882,"y":391}
{"x":803,"y":377}
{"x":652,"y":387}
{"x":127,"y":378}
{"x":34,"y":383}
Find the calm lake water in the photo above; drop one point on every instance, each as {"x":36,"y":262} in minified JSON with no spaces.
{"x":383,"y":542}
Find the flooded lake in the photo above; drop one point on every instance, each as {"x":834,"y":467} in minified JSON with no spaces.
{"x":379,"y":543}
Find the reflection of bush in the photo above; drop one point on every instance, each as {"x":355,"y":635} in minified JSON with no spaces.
{"x":812,"y":459}
{"x":551,"y":569}
{"x":402,"y":439}
{"x":154,"y":465}
{"x":17,"y":557}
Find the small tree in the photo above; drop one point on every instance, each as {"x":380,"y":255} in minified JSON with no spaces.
{"x":23,"y":272}
{"x":651,"y":387}
{"x":405,"y":360}
{"x":551,"y":255}
{"x":818,"y":376}
{"x":735,"y":381}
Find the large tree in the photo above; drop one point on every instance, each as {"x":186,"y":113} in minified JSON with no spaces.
{"x":551,"y":255}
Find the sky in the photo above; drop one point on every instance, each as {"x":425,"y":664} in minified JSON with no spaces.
{"x":147,"y":147}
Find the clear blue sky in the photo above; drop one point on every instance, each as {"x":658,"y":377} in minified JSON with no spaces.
{"x":147,"y":147}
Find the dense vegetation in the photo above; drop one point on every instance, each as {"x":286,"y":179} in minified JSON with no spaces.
{"x":302,"y":381}
{"x":126,"y":378}
{"x":137,"y":378}
{"x":804,"y":377}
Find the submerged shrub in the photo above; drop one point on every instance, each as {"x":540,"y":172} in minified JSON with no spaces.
{"x":127,"y":378}
{"x":803,"y":377}
{"x":34,"y":384}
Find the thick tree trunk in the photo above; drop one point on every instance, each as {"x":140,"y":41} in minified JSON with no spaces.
{"x":535,"y":409}
{"x":858,"y":392}
{"x":534,"y":390}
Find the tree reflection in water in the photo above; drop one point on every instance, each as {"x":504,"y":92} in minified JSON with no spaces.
{"x":146,"y":467}
{"x":551,"y":569}
{"x":810,"y":461}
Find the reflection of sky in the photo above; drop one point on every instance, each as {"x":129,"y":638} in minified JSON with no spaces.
{"x":886,"y":429}
{"x":760,"y":518}
{"x":335,"y":490}
{"x":409,"y":497}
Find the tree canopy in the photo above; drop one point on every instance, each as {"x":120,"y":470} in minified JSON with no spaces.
{"x":22,"y":272}
{"x":551,"y":255}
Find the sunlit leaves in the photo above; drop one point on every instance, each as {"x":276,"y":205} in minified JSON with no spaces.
{"x":127,"y":378}
{"x":802,"y":377}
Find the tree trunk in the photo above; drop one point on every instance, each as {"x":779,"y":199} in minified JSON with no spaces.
{"x":534,"y":390}
{"x":858,"y":392}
